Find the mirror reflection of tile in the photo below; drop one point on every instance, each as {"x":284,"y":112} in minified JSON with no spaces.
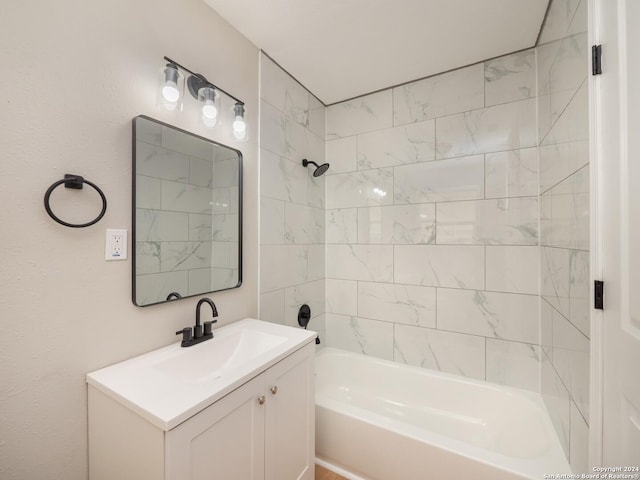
{"x":187,"y":225}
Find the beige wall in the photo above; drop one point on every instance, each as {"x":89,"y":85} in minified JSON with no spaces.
{"x":74,"y":74}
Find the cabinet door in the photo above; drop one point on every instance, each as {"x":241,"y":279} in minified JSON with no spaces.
{"x":223,"y":442}
{"x":290,"y":422}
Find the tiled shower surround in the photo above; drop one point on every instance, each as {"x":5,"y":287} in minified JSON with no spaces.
{"x":432,"y":223}
{"x":456,"y":220}
{"x":292,"y":201}
{"x":563,"y":132}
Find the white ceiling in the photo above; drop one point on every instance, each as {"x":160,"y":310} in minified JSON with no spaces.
{"x":339,"y":49}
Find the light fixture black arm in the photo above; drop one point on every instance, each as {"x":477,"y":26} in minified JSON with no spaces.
{"x":202,"y":77}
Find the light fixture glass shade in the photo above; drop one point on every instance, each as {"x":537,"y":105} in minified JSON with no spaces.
{"x":171,"y":87}
{"x":207,"y":96}
{"x":209,"y":103}
{"x":239,"y":125}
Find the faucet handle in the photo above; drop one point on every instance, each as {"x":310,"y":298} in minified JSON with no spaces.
{"x":187,"y":334}
{"x":207,"y":326}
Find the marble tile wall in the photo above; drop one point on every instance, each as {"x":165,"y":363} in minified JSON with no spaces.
{"x":432,"y":223}
{"x":191,"y":248}
{"x":292,"y":201}
{"x":563,"y":131}
{"x":454,"y":234}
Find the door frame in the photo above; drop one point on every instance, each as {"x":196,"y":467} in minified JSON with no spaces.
{"x":596,"y":394}
{"x":608,"y":122}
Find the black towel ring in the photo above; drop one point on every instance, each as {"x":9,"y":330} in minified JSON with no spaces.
{"x":74,"y":181}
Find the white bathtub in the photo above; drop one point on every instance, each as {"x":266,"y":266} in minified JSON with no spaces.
{"x":377,"y":419}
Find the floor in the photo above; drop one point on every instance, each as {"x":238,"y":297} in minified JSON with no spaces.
{"x":324,"y":474}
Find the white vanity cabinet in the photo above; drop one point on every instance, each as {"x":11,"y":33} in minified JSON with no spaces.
{"x":262,"y":429}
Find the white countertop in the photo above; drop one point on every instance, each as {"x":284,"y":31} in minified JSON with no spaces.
{"x":169,"y":385}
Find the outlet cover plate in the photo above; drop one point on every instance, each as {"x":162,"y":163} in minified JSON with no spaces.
{"x":116,"y":244}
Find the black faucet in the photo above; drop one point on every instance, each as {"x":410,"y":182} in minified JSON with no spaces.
{"x":199,"y":333}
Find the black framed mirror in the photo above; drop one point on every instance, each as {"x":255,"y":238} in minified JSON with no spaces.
{"x":187,"y":214}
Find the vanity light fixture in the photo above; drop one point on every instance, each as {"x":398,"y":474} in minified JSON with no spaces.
{"x":171,"y":87}
{"x":239,"y":125}
{"x":209,"y":102}
{"x":207,"y":95}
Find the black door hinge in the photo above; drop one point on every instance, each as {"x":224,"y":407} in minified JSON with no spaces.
{"x":596,"y":60}
{"x":598,"y":295}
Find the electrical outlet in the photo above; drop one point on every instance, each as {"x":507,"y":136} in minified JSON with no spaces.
{"x":116,"y":244}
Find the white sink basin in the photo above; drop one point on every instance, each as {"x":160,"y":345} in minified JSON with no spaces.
{"x":169,"y":385}
{"x":210,"y":359}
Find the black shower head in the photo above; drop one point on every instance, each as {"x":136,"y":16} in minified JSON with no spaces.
{"x":320,"y":169}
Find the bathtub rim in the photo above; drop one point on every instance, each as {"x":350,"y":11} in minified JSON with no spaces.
{"x":530,"y":395}
{"x":529,"y":466}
